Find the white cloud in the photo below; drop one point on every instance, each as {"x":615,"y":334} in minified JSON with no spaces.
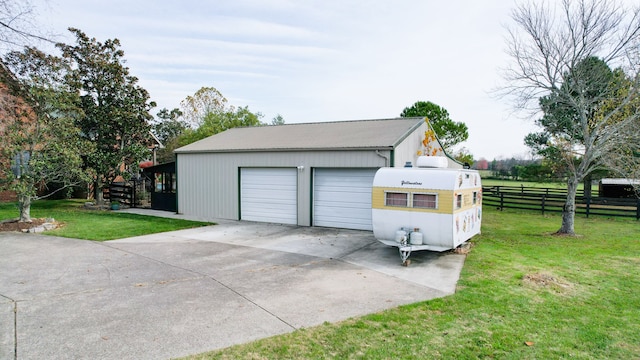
{"x":317,"y":60}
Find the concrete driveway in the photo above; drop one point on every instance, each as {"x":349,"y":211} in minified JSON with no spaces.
{"x":185,"y":292}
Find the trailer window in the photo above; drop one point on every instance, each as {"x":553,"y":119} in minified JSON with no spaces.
{"x":396,"y":199}
{"x":458,"y":201}
{"x":475,"y":197}
{"x":425,"y":201}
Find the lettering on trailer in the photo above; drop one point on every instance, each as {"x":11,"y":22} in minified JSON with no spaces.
{"x":405,"y":182}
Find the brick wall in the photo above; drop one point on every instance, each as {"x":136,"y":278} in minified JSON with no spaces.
{"x":7,"y":196}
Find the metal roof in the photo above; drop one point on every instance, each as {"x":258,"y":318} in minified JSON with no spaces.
{"x":339,"y":135}
{"x":620,"y":181}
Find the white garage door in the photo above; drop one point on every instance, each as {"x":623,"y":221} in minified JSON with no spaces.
{"x":269,"y":195}
{"x":342,"y":198}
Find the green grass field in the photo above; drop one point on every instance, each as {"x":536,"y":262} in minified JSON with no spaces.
{"x":94,"y":224}
{"x":551,"y":185}
{"x":523,"y":294}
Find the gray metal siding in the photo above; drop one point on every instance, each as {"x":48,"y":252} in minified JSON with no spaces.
{"x":201,"y":178}
{"x":208,"y":185}
{"x":408,"y":149}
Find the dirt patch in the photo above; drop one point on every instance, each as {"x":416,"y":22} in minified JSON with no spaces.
{"x":19,"y":226}
{"x":563,"y":235}
{"x":547,"y":281}
{"x":92,"y":206}
{"x":463,"y":249}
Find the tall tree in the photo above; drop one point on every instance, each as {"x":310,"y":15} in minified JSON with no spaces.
{"x":116,"y":109}
{"x":277,"y":120}
{"x":624,"y":159}
{"x":168,"y":127}
{"x":218,"y":122}
{"x":449,"y":132}
{"x":464,"y":156}
{"x":561,"y":55}
{"x":168,"y":124}
{"x":38,"y":133}
{"x":208,"y":113}
{"x":206,"y":102}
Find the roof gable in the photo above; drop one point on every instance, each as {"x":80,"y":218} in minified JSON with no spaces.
{"x":361,"y":134}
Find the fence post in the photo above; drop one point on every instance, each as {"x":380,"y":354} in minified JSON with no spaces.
{"x":501,"y":201}
{"x":133,"y":194}
{"x":543,"y":201}
{"x":588,"y":205}
{"x":638,"y":209}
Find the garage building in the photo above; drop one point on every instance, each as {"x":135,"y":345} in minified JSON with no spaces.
{"x":313,"y":174}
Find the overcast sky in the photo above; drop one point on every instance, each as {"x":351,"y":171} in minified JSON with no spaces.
{"x":315,"y":61}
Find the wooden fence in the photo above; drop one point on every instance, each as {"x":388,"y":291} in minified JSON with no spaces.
{"x":552,"y":200}
{"x":122,"y":193}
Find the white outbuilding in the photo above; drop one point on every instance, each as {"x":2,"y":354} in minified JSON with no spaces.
{"x":312,"y":174}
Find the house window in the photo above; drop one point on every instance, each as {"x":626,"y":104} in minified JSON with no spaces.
{"x":475,"y":197}
{"x":425,"y":201}
{"x":458,"y":201}
{"x":396,"y":199}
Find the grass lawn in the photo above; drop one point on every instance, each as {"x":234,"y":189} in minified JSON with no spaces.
{"x":523,"y":294}
{"x":94,"y":224}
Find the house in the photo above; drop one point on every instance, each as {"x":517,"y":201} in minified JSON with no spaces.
{"x":13,"y":109}
{"x":313,"y":174}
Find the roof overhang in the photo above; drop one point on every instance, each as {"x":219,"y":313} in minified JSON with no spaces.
{"x":228,"y":151}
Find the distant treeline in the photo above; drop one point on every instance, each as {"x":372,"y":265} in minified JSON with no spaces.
{"x":519,"y":170}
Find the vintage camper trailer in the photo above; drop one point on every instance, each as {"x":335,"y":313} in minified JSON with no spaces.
{"x":427,"y":207}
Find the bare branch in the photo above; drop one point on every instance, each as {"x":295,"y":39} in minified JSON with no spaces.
{"x":562,"y":57}
{"x":16,"y":24}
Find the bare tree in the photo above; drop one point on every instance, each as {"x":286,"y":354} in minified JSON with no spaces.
{"x":17,"y":27}
{"x":561,"y":52}
{"x":205,"y":102}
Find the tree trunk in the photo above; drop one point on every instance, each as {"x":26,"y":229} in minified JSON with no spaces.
{"x":24,"y":203}
{"x":97,"y":191}
{"x":569,"y":209}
